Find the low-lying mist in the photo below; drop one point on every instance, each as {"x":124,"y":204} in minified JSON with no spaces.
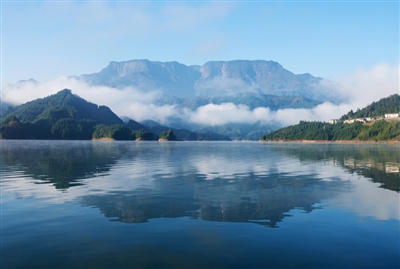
{"x":358,"y":90}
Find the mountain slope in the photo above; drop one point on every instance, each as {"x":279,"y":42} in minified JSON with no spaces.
{"x":377,"y":130}
{"x":252,"y":100}
{"x":172,"y":78}
{"x":63,"y":102}
{"x":62,"y":116}
{"x":267,"y":77}
{"x":183,"y":134}
{"x":390,"y":104}
{"x":214,"y":78}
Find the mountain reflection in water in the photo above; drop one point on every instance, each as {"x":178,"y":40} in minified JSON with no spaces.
{"x":254,"y":182}
{"x":379,"y":162}
{"x":98,"y":204}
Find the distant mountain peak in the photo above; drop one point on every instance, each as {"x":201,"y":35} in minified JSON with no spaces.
{"x":213,"y":78}
{"x":31,"y":80}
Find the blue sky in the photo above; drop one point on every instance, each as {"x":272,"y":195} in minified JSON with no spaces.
{"x":44,"y":40}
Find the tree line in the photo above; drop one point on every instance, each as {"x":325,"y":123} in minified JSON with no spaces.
{"x":379,"y":130}
{"x":69,"y":129}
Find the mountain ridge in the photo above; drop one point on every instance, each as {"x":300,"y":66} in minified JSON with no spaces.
{"x":65,"y":115}
{"x":214,"y":78}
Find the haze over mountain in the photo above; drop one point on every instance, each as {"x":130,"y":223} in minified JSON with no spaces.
{"x":214,"y":78}
{"x":221,"y":97}
{"x":65,"y":115}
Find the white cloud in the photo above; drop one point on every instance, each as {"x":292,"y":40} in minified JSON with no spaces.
{"x":180,"y":17}
{"x":212,"y":114}
{"x":124,"y":102}
{"x":361,"y":88}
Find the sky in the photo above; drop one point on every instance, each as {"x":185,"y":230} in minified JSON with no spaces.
{"x":48,"y":39}
{"x":354,"y":43}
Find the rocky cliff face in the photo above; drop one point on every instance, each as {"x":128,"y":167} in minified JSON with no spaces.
{"x":215,"y":78}
{"x":171,"y":78}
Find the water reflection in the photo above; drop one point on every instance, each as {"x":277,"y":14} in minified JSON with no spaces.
{"x":265,"y":202}
{"x":197,"y":205}
{"x":62,"y":163}
{"x":232,"y":182}
{"x":379,"y":162}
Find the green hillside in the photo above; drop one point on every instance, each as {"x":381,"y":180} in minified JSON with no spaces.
{"x":390,"y":104}
{"x":63,"y":104}
{"x":64,"y":116}
{"x":376,"y":130}
{"x":67,"y":116}
{"x":380,"y":130}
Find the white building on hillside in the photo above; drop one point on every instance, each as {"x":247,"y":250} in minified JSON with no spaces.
{"x":392,"y":116}
{"x":333,"y":121}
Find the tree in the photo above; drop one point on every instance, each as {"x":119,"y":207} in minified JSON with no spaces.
{"x":168,"y":135}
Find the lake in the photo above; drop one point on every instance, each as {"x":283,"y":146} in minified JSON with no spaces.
{"x":112,"y":204}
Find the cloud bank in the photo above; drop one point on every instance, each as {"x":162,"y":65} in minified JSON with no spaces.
{"x":358,"y":89}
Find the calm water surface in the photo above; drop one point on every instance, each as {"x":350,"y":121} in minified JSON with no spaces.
{"x":86,"y":204}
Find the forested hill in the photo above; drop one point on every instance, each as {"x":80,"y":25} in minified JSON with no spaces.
{"x":66,"y":116}
{"x":376,"y":130}
{"x":63,"y":104}
{"x":390,"y":104}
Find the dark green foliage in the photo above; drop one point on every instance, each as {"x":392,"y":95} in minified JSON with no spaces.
{"x":12,"y":128}
{"x":117,"y":132}
{"x":344,"y":131}
{"x":55,"y":113}
{"x":380,"y":130}
{"x":8,"y":119}
{"x":63,"y":104}
{"x":60,"y":116}
{"x":390,"y":104}
{"x":304,"y":130}
{"x":168,"y":135}
{"x":72,"y":129}
{"x":41,"y":129}
{"x":144,"y":135}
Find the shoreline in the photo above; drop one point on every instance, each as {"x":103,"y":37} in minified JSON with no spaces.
{"x":329,"y":141}
{"x":103,"y":139}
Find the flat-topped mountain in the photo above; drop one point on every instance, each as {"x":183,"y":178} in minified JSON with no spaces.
{"x":214,"y":78}
{"x":172,"y":78}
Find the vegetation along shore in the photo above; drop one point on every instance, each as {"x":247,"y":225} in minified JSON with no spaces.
{"x":377,"y":122}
